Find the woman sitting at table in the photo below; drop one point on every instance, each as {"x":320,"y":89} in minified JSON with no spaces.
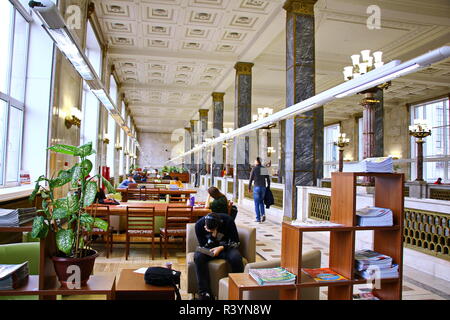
{"x":177,"y":182}
{"x":219,"y":203}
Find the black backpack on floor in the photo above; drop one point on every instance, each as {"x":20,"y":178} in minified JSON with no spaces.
{"x":159,"y":276}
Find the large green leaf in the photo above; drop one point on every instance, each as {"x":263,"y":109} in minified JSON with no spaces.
{"x":86,"y":150}
{"x":40,"y":228}
{"x":60,"y":213}
{"x":86,"y":164}
{"x":101,"y":224}
{"x":89,"y":193}
{"x":76,"y":175}
{"x":64,"y":240}
{"x":65,"y":149}
{"x":64,"y":176}
{"x":108,"y":185}
{"x":37,"y":186}
{"x":86,"y":219}
{"x":73,"y":204}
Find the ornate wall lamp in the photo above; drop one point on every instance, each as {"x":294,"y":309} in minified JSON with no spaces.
{"x":74,"y":119}
{"x":270,"y":151}
{"x":341,"y":143}
{"x":105,"y":139}
{"x":420,"y":131}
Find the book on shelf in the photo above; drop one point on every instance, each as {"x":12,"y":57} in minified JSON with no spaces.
{"x":314,"y":223}
{"x":380,"y":164}
{"x":13,"y":276}
{"x":365,"y":296}
{"x":371,"y":216}
{"x":272,"y":276}
{"x":324,"y":274}
{"x":376,"y":272}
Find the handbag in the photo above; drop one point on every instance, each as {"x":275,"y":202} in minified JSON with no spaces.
{"x":159,"y":276}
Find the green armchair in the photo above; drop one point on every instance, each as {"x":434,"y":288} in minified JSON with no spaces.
{"x":16,"y":253}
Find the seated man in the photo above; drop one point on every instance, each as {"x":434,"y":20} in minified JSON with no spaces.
{"x":125,"y":183}
{"x":218,"y":233}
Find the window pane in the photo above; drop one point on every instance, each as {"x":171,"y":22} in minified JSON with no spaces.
{"x":14,"y":144}
{"x":5,"y":43}
{"x":3,"y":107}
{"x":19,"y":61}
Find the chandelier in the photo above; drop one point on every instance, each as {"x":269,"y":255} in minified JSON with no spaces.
{"x":368,"y":63}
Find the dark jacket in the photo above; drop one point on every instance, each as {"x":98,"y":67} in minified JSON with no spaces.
{"x":268,"y":198}
{"x":227,"y":227}
{"x":219,"y":205}
{"x":259,"y":175}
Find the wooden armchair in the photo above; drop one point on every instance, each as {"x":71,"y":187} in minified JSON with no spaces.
{"x":176,"y":219}
{"x":140,"y":223}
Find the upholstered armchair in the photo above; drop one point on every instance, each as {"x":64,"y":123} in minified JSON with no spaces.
{"x":310,"y":259}
{"x":218,"y":268}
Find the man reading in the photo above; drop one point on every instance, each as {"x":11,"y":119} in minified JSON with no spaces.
{"x":217,"y":233}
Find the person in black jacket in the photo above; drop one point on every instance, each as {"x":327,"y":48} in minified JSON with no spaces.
{"x":218,"y":233}
{"x":260,"y":176}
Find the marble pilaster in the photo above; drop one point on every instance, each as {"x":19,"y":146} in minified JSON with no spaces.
{"x":187,"y":147}
{"x":378,"y":125}
{"x":303,"y":135}
{"x":242,"y":117}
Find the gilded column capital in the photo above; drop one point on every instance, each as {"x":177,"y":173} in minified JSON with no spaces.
{"x":243,"y":67}
{"x":305,"y":7}
{"x":218,"y":96}
{"x":193,"y":122}
{"x":91,"y":9}
{"x":203,"y":112}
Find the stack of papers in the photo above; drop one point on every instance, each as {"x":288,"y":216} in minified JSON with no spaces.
{"x":9,"y":218}
{"x":314,"y":223}
{"x":365,"y":296}
{"x":16,"y":217}
{"x":374,"y":217}
{"x":272,"y":276}
{"x":371,"y":264}
{"x":383,"y":164}
{"x":13,"y":276}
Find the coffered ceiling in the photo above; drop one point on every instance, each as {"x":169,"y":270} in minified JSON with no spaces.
{"x":170,"y":55}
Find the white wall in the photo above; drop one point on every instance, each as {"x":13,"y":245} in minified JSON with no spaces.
{"x":157,"y":147}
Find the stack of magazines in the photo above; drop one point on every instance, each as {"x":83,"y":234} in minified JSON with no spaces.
{"x":370,"y":264}
{"x":13,"y":276}
{"x":272,"y":276}
{"x":16,"y":217}
{"x":374,"y":217}
{"x":383,"y":164}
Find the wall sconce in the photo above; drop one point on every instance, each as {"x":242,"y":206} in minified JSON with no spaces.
{"x":73,"y":119}
{"x":270,"y":151}
{"x":106,"y":138}
{"x":118,"y":146}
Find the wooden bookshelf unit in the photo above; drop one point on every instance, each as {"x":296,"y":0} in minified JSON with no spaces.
{"x":386,"y":240}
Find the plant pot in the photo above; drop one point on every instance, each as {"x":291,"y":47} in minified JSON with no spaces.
{"x":86,"y":265}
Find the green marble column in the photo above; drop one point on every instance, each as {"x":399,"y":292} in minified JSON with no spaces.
{"x":203,"y":127}
{"x":303,"y":135}
{"x":242,"y":117}
{"x":218,"y":107}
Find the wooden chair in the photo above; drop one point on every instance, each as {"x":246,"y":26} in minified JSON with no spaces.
{"x":150,"y":194}
{"x":176,"y":219}
{"x":134,"y":193}
{"x":140,"y":223}
{"x":101,"y":211}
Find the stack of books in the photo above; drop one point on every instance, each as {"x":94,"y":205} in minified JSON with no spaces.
{"x":374,"y":217}
{"x":365,"y":296}
{"x":370,"y":264}
{"x":16,"y":217}
{"x":272,"y":276}
{"x":13,"y":276}
{"x":324,"y":275}
{"x":383,"y":164}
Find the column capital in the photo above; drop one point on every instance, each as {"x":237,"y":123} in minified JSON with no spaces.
{"x":203,"y":112}
{"x":218,"y":96}
{"x":243,"y":67}
{"x":188,"y":129}
{"x":193,"y":122}
{"x":305,"y":7}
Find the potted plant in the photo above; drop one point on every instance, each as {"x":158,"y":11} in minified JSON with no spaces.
{"x":66,"y":219}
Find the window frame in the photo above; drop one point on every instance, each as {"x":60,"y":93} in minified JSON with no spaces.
{"x":330,"y":165}
{"x":12,"y":102}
